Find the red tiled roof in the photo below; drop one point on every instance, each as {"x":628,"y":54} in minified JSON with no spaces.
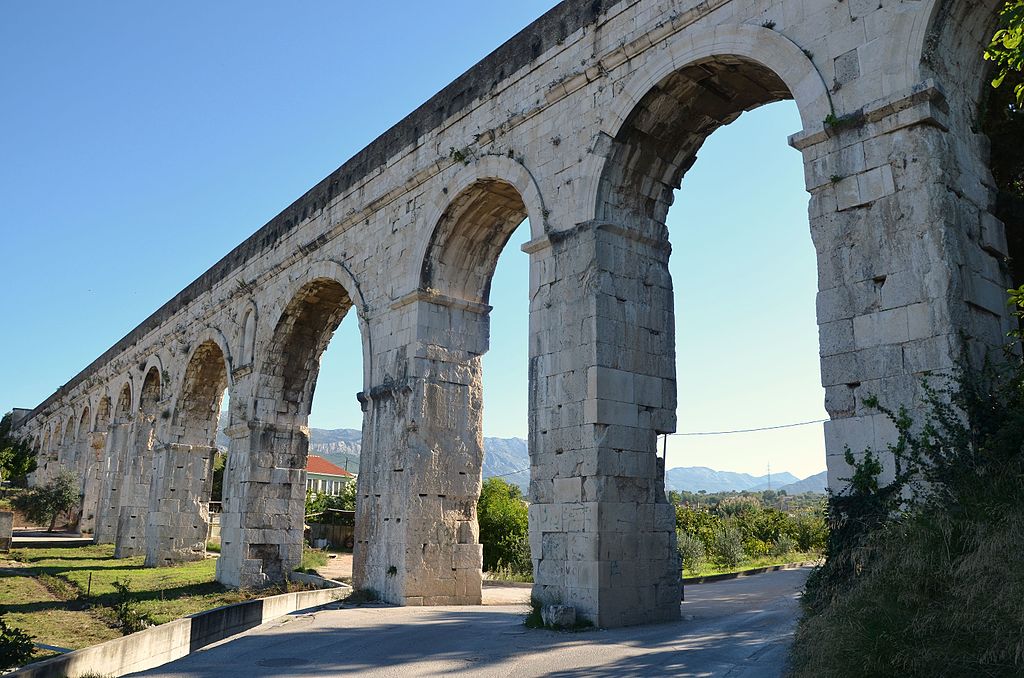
{"x":315,"y":464}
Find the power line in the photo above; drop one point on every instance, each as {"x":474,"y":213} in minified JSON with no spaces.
{"x":751,"y":430}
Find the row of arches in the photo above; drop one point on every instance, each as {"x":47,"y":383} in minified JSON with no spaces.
{"x":422,"y":396}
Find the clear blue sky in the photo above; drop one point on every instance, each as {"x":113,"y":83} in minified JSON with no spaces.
{"x":142,"y":141}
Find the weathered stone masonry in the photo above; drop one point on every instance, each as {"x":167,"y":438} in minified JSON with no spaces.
{"x":585,"y":123}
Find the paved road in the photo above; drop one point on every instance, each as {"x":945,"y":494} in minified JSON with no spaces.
{"x":738,"y":628}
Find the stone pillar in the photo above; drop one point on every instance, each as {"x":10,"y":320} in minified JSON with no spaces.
{"x":92,"y":471}
{"x":910,"y":262}
{"x":421,"y":463}
{"x":179,"y":508}
{"x":263,"y":504}
{"x":602,"y":374}
{"x":132,"y":513}
{"x":113,"y":472}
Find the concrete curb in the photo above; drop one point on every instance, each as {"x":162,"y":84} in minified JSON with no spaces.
{"x":165,"y":643}
{"x":747,"y":573}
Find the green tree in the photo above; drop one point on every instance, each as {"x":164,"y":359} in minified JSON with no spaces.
{"x":1007,"y":47}
{"x":504,"y":531}
{"x":220,"y":460}
{"x":45,"y":504}
{"x":17,"y":459}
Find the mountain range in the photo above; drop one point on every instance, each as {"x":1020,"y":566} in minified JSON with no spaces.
{"x":509,"y":458}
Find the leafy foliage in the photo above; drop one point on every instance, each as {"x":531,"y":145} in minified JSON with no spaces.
{"x":691,"y":550}
{"x":731,"y":528}
{"x":16,"y":646}
{"x":922,"y":576}
{"x":503,"y":518}
{"x":46,"y":503}
{"x":318,"y":502}
{"x":1007,"y":47}
{"x":220,"y":460}
{"x":17,"y":459}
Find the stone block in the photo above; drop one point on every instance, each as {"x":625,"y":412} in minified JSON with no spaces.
{"x":559,"y":616}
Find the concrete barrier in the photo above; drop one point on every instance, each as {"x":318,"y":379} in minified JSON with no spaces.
{"x":161,"y":644}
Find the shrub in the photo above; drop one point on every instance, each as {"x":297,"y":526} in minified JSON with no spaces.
{"x":16,"y":646}
{"x":45,"y":504}
{"x":727,"y":549}
{"x":126,"y":609}
{"x":691,"y":550}
{"x":783,"y":546}
{"x":810,"y":532}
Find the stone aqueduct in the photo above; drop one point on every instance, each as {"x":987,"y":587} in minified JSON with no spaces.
{"x":585,"y":122}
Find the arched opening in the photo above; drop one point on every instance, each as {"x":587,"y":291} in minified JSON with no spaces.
{"x":444,"y":463}
{"x":273,"y":473}
{"x":179,"y":516}
{"x":636,"y":380}
{"x":81,"y":462}
{"x":135,"y":489}
{"x":94,"y":468}
{"x":469,"y":238}
{"x":115,"y":459}
{"x":248,"y":339}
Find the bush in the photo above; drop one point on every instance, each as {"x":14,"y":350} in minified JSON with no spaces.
{"x":45,"y":504}
{"x":691,"y":551}
{"x":126,"y":609}
{"x":727,"y":549}
{"x":16,"y":646}
{"x":17,"y":459}
{"x":810,"y":532}
{"x":783,"y":546}
{"x":504,"y":527}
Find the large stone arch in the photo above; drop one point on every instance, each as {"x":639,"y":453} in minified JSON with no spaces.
{"x":761,"y":49}
{"x":264,"y":486}
{"x":179,"y":518}
{"x":138,"y":467}
{"x":419,"y":481}
{"x":490,"y":170}
{"x":115,"y":459}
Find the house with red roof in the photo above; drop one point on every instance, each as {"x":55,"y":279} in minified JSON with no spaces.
{"x":324,"y":477}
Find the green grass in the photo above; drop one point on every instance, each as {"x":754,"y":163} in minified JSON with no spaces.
{"x":710,"y":569}
{"x":312,"y":559}
{"x":60,"y":595}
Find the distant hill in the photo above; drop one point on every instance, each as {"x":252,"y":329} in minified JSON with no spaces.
{"x":506,"y":457}
{"x":510,"y":459}
{"x":816,"y":483}
{"x":697,"y":478}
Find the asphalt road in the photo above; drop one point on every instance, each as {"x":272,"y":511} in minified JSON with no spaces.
{"x":737,"y":628}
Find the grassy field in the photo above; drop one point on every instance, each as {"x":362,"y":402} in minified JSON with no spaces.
{"x":61,"y":596}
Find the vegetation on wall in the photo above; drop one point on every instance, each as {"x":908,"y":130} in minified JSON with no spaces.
{"x":922,"y":575}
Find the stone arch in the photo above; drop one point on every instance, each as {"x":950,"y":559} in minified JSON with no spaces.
{"x":306,"y":321}
{"x":178,"y":519}
{"x":134,"y":494}
{"x":81,"y":437}
{"x":491,"y":173}
{"x":123,"y":410}
{"x":102,"y":420}
{"x":247,"y":334}
{"x":203,"y":381}
{"x":720,"y":72}
{"x":261,"y":537}
{"x":689,"y":90}
{"x":947,"y":43}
